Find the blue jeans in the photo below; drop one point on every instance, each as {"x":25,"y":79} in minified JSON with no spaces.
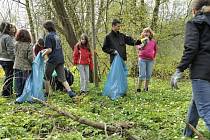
{"x":19,"y":80}
{"x":145,"y":69}
{"x":200,"y":105}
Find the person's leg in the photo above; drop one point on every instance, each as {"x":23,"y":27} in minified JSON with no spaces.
{"x":86,"y":77}
{"x":48,"y":75}
{"x":201,"y":96}
{"x":149,"y":68}
{"x":61,"y":77}
{"x":8,"y":82}
{"x":81,"y":69}
{"x":18,"y":82}
{"x":192,"y":118}
{"x":142,"y":74}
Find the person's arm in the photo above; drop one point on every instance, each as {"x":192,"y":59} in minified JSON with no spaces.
{"x":155,"y":49}
{"x":91,"y":61}
{"x":107,"y":46}
{"x":75,"y":55}
{"x":130,"y":41}
{"x":191,"y":46}
{"x":10,"y":45}
{"x":30,"y":54}
{"x":48,"y":46}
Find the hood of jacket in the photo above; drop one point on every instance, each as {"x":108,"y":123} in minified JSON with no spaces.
{"x":201,"y":18}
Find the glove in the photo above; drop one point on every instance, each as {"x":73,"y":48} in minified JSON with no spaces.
{"x":175,"y":78}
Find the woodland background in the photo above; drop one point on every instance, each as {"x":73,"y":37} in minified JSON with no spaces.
{"x":157,"y":115}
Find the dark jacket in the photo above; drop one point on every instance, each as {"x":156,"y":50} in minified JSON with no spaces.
{"x":196,"y":54}
{"x":117,"y":41}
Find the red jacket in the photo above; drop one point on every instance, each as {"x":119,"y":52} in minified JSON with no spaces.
{"x":82,"y":55}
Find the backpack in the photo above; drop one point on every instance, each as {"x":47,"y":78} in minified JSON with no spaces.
{"x":57,"y":85}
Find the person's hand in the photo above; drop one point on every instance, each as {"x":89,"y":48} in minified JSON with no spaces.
{"x":116,"y":52}
{"x":43,"y":52}
{"x":175,"y":78}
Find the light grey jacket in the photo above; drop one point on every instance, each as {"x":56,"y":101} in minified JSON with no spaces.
{"x":6,"y":48}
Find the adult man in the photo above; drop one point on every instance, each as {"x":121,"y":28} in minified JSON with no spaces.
{"x":115,"y":42}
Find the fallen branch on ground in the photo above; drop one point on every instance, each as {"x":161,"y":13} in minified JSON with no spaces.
{"x":110,"y":129}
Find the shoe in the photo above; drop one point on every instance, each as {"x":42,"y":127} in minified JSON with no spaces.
{"x":46,"y":94}
{"x":146,"y":89}
{"x":138,"y":90}
{"x":71,"y":94}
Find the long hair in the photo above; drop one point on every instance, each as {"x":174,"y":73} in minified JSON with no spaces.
{"x":23,"y":35}
{"x":84,"y":36}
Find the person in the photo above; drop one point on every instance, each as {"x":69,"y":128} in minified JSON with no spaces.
{"x":23,"y":60}
{"x":7,"y":57}
{"x":147,"y":54}
{"x":115,"y":42}
{"x":83,"y":59}
{"x":38,"y":46}
{"x":196,"y":56}
{"x":55,"y":60}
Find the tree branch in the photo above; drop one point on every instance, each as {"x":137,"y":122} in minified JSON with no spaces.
{"x":18,"y":1}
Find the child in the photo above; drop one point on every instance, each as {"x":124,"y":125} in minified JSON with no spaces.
{"x":23,"y":60}
{"x":83,"y":59}
{"x":147,"y":54}
{"x":55,"y":60}
{"x":38,"y":47}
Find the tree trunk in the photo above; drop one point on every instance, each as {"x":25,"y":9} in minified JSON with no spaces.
{"x":30,"y":21}
{"x":64,"y":19}
{"x":94,"y":44}
{"x":155,"y":15}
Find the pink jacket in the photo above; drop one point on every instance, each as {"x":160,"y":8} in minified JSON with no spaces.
{"x":149,"y":51}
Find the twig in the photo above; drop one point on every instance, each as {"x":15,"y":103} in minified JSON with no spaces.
{"x":101,"y":126}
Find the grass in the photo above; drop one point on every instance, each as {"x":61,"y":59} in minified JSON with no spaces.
{"x":158,"y":114}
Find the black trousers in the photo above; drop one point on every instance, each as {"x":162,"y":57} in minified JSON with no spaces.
{"x":8,"y":82}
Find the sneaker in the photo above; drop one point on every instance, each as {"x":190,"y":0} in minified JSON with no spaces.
{"x":138,"y":90}
{"x":71,"y":94}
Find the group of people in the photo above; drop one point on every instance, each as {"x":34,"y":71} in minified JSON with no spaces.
{"x":17,"y":54}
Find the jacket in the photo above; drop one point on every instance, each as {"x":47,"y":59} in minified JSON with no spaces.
{"x":23,"y":56}
{"x":82,"y":56}
{"x":196,"y":53}
{"x":117,"y":41}
{"x":6,"y":48}
{"x":149,"y":51}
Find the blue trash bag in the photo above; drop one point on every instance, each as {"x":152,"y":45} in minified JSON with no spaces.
{"x":116,"y":84}
{"x":34,"y":84}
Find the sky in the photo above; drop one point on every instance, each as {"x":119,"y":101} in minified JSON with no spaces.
{"x":13,"y":12}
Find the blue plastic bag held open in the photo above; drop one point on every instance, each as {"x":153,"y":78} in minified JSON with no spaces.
{"x":116,"y":84}
{"x":34,"y":84}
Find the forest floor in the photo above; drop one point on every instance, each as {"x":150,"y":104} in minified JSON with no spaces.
{"x":158,"y":114}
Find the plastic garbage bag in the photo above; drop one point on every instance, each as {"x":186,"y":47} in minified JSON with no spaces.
{"x":116,"y":84}
{"x":34,"y":84}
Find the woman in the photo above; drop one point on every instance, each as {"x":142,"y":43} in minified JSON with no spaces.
{"x":7,"y":57}
{"x":196,"y":56}
{"x":147,"y":54}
